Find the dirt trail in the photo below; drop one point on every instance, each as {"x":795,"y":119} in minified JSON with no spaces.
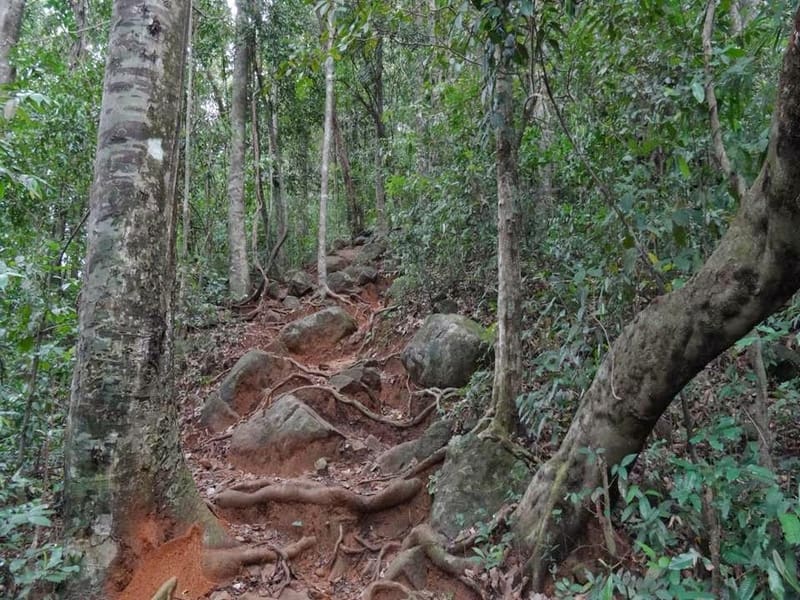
{"x":350,"y":520}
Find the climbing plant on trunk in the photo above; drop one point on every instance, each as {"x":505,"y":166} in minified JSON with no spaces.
{"x":753,"y":271}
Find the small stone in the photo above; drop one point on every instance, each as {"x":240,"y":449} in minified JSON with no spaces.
{"x":373,"y":443}
{"x":321,"y":465}
{"x":241,"y":539}
{"x":357,"y":446}
{"x":223,"y":595}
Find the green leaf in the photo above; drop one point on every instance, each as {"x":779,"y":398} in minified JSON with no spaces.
{"x":791,"y":528}
{"x":747,"y":588}
{"x":698,"y":91}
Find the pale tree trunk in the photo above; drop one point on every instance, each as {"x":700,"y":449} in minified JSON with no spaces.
{"x":10,"y":25}
{"x":355,"y":215}
{"x":123,"y":465}
{"x":508,"y":357}
{"x":238,"y":268}
{"x":187,"y":150}
{"x":322,"y":272}
{"x":753,"y":271}
{"x":380,"y":140}
{"x":276,"y":181}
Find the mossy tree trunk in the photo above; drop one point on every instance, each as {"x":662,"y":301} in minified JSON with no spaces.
{"x":327,"y":140}
{"x":508,"y":361}
{"x":124,"y":469}
{"x":754,"y":270}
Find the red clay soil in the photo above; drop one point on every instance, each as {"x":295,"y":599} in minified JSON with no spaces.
{"x":181,"y":558}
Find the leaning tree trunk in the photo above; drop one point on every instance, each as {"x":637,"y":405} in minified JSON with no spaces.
{"x":124,"y":467}
{"x":754,"y":270}
{"x":508,"y":356}
{"x":322,"y":273}
{"x":238,"y":268}
{"x":10,"y":24}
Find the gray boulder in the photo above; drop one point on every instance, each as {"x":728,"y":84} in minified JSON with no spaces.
{"x":403,"y":455}
{"x":446,"y":351}
{"x":300,"y":283}
{"x":291,"y":302}
{"x":372,"y":251}
{"x":358,"y":380}
{"x":340,"y":282}
{"x":475,"y":481}
{"x":242,"y":388}
{"x":362,"y":274}
{"x":335,"y":263}
{"x":323,"y":329}
{"x":285,"y":439}
{"x":275,"y":291}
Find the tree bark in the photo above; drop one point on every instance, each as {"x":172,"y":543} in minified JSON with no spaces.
{"x":322,"y":273}
{"x":508,"y":356}
{"x":124,"y":468}
{"x":238,"y":267}
{"x":79,"y":10}
{"x":10,"y":24}
{"x":380,"y":139}
{"x":187,"y":150}
{"x":355,"y":216}
{"x":753,"y":271}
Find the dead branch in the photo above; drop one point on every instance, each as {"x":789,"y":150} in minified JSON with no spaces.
{"x":311,"y":492}
{"x":367,"y":412}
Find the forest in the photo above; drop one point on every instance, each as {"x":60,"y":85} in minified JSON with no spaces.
{"x":370,"y":300}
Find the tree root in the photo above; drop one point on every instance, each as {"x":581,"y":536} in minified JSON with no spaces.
{"x":384,"y":585}
{"x":266,"y":401}
{"x":310,"y":492}
{"x":225,"y":563}
{"x":166,"y":589}
{"x":367,"y":412}
{"x":433,"y":545}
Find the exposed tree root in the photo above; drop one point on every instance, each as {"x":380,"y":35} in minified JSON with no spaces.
{"x":367,"y":412}
{"x":299,"y":365}
{"x":225,"y":563}
{"x":166,"y":589}
{"x":433,"y":545}
{"x":384,"y":585}
{"x":310,"y":492}
{"x":371,"y":322}
{"x":266,"y":401}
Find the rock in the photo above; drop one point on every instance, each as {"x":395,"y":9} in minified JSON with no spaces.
{"x":222,"y":595}
{"x":335,"y":263}
{"x":321,"y":464}
{"x":291,"y":302}
{"x":300,"y":283}
{"x":275,"y":291}
{"x":355,"y":379}
{"x":241,"y":389}
{"x":341,"y":283}
{"x":474,"y":483}
{"x":323,"y":329}
{"x":403,"y":455}
{"x":270,"y":316}
{"x":446,"y":351}
{"x":362,"y":274}
{"x":372,"y":251}
{"x":285,"y":439}
{"x":339,"y":244}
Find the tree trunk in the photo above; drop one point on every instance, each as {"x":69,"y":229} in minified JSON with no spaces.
{"x":79,"y":10}
{"x":238,"y":268}
{"x":508,"y":357}
{"x":277,"y":186}
{"x":380,"y":139}
{"x":10,"y":25}
{"x":124,"y":467}
{"x":753,"y":271}
{"x":322,"y":273}
{"x":355,"y":215}
{"x":187,"y":151}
